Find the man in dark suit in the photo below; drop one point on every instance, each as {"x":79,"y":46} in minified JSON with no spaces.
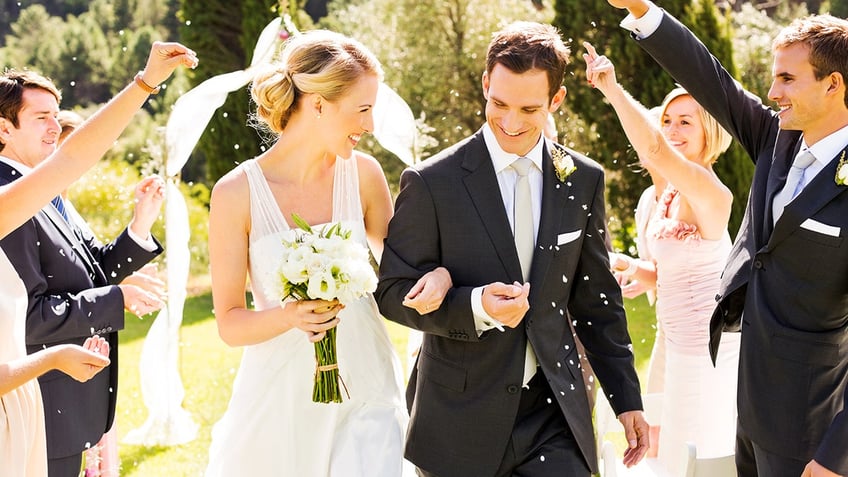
{"x":785,"y":284}
{"x":69,"y":275}
{"x":497,"y":388}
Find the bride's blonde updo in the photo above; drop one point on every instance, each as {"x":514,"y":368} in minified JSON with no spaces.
{"x":318,"y":61}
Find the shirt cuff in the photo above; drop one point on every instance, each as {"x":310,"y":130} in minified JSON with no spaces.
{"x":646,"y":25}
{"x":149,"y":245}
{"x":482,"y":321}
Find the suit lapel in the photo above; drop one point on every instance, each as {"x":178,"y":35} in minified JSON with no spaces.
{"x":776,"y":179}
{"x":482,"y":186}
{"x":551,"y":216}
{"x":815,"y":195}
{"x":79,"y":247}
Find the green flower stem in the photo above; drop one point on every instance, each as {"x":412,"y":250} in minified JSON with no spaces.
{"x":326,"y":388}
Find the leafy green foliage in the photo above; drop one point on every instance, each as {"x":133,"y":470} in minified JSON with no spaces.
{"x":220,"y":33}
{"x":105,"y":196}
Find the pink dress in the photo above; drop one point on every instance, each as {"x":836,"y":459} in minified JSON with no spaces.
{"x":699,"y":401}
{"x":23,"y":445}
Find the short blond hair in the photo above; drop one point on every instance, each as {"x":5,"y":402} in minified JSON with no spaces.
{"x":716,"y":138}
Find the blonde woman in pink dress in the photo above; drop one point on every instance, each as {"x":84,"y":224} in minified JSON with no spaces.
{"x":23,"y":445}
{"x":688,"y":241}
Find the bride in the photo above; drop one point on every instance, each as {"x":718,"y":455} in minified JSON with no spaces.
{"x":317,"y":100}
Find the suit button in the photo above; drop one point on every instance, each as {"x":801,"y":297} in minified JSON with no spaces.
{"x":512,"y":389}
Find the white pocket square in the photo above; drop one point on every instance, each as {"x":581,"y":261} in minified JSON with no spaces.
{"x":816,"y":226}
{"x":567,"y":237}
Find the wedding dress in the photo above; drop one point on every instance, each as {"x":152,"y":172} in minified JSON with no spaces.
{"x":271,"y":426}
{"x":23,"y":445}
{"x":699,"y":400}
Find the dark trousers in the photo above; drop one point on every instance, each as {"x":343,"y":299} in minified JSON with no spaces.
{"x":65,"y":467}
{"x":754,"y":461}
{"x":541,"y":444}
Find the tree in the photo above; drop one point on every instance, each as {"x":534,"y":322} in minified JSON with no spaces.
{"x":839,"y":8}
{"x":223,"y":34}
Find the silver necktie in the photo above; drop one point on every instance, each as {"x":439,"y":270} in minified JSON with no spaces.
{"x":524,"y":235}
{"x":793,"y":180}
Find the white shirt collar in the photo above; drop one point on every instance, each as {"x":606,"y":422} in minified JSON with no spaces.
{"x":21,"y":167}
{"x":501,"y":159}
{"x":827,"y":149}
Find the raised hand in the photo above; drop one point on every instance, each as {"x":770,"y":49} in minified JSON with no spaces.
{"x":429,"y":291}
{"x":149,"y":195}
{"x":163,"y":60}
{"x":635,"y":7}
{"x":600,"y":72}
{"x":314,"y":317}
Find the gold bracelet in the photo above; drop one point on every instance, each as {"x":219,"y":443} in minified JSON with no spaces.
{"x":146,"y":87}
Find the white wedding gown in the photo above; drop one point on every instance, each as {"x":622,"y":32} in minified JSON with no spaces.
{"x":272,"y":427}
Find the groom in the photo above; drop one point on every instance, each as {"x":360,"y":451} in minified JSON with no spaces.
{"x":497,"y":388}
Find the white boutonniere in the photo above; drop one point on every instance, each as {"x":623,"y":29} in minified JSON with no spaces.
{"x":563,"y":163}
{"x":842,"y":171}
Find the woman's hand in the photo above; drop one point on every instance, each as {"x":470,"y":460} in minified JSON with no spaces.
{"x":313,"y":317}
{"x":429,"y":291}
{"x":600,"y":72}
{"x":163,"y":59}
{"x":82,"y":362}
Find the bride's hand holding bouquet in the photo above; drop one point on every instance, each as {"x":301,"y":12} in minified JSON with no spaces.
{"x":313,"y":317}
{"x":319,"y":271}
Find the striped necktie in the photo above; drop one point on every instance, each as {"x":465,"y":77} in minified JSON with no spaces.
{"x":60,"y":206}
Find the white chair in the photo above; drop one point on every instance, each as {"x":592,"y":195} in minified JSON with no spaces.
{"x":606,"y":422}
{"x":708,"y":467}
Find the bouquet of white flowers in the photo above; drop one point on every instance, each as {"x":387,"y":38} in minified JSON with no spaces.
{"x":326,"y":265}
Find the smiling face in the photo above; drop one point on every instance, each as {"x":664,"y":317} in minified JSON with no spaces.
{"x":683,"y":128}
{"x":517,"y":107}
{"x":351,"y":116}
{"x":799,"y":95}
{"x":38,"y":130}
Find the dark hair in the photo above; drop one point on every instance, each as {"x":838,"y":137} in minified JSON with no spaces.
{"x":827,"y":38}
{"x":12,"y":86}
{"x":522,"y":46}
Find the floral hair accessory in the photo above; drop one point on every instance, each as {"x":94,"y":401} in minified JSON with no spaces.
{"x":842,"y":171}
{"x":564,"y":163}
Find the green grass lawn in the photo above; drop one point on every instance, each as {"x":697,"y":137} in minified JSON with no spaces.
{"x":208,"y":367}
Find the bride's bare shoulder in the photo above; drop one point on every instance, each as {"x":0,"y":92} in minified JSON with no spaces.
{"x":232,"y":188}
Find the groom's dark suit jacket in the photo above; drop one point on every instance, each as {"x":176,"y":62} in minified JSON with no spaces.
{"x":465,"y":390}
{"x":790,"y":280}
{"x":70,"y":298}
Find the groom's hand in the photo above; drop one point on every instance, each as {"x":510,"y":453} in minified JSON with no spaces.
{"x":814,"y":469}
{"x":637,"y":435}
{"x":636,"y":7}
{"x":506,"y":303}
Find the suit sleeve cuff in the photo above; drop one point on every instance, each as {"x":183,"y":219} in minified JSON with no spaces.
{"x":646,"y":25}
{"x":482,"y":321}
{"x":148,"y":244}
